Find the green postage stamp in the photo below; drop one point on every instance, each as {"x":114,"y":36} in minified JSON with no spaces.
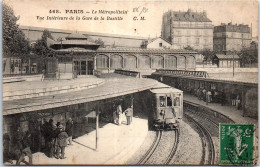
{"x":236,"y":144}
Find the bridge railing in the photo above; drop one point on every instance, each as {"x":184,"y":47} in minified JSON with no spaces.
{"x":203,"y":74}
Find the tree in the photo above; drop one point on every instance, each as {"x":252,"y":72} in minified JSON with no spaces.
{"x":41,"y":46}
{"x":100,"y":42}
{"x":144,"y":44}
{"x":188,"y":47}
{"x":14,"y":42}
{"x":208,"y":54}
{"x":249,"y":55}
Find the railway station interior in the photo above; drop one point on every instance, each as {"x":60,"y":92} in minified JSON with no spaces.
{"x":83,"y":101}
{"x":88,"y":84}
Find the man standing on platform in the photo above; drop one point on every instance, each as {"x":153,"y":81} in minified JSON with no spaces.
{"x":26,"y":151}
{"x":61,"y":142}
{"x":129,"y":114}
{"x":51,"y":137}
{"x":69,"y":130}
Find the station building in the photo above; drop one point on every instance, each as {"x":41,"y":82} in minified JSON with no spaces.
{"x":77,"y":55}
{"x":227,"y":61}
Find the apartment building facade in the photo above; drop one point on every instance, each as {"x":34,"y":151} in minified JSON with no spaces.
{"x":187,"y":28}
{"x":231,"y":37}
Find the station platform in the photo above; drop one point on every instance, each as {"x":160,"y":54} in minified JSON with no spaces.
{"x":116,"y":144}
{"x":36,"y":88}
{"x":230,"y":111}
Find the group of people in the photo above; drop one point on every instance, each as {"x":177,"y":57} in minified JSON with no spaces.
{"x":57,"y":137}
{"x":217,"y":97}
{"x":118,"y":115}
{"x":210,"y":95}
{"x":20,"y":149}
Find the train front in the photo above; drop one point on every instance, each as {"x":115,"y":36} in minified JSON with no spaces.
{"x":167,"y":108}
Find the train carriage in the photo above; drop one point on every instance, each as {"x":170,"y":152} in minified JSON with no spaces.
{"x":167,"y":107}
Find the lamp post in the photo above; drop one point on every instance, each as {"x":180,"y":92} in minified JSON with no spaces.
{"x":233,"y":66}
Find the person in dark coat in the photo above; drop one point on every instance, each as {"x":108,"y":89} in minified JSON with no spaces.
{"x":44,"y":131}
{"x":26,"y":151}
{"x":69,"y":130}
{"x":6,"y":148}
{"x":51,"y":137}
{"x":61,"y":142}
{"x":58,"y":124}
{"x":223,"y":98}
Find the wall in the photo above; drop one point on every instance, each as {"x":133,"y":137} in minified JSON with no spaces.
{"x":145,"y":61}
{"x":35,"y":33}
{"x":156,"y":44}
{"x":229,"y":70}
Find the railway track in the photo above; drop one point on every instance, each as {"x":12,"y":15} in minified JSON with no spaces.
{"x":208,"y":153}
{"x":174,"y":148}
{"x":210,"y":115}
{"x":155,"y":147}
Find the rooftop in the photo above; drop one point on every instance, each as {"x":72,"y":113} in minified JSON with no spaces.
{"x":76,"y":36}
{"x":75,"y":41}
{"x":232,"y":28}
{"x":222,"y":56}
{"x":107,"y":90}
{"x":166,"y":90}
{"x":171,"y":51}
{"x":55,"y":30}
{"x":189,"y":16}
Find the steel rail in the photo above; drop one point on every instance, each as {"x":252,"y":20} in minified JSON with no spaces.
{"x":152,"y":148}
{"x":174,"y":148}
{"x":207,"y":136}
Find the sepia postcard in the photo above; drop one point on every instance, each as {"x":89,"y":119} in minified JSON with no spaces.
{"x":155,"y":82}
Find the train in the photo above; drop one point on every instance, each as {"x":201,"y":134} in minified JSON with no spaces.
{"x":166,"y":107}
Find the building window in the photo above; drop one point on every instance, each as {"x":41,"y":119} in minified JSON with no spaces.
{"x":206,"y":32}
{"x":197,"y":40}
{"x":160,"y":44}
{"x":205,"y":41}
{"x":197,"y":33}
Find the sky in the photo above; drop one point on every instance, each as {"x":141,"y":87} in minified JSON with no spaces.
{"x":237,"y":12}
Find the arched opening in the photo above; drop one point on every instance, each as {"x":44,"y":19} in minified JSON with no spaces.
{"x":130,"y":62}
{"x":102,"y":62}
{"x":170,"y":62}
{"x":116,"y":62}
{"x":190,"y":62}
{"x":181,"y":62}
{"x":157,"y":62}
{"x":144,"y":62}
